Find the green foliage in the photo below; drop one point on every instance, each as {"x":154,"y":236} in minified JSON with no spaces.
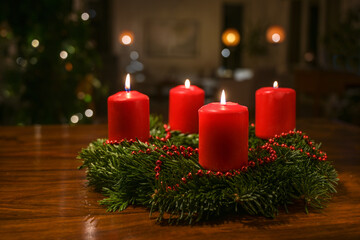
{"x":128,"y":178}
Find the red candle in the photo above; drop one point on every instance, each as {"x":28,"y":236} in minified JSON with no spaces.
{"x":275,"y":111}
{"x":223,"y":136}
{"x":128,"y":115}
{"x":184,"y":103}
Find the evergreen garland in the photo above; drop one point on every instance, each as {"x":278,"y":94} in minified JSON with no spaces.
{"x":164,"y":175}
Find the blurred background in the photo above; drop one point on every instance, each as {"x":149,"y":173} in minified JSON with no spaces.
{"x":60,"y":60}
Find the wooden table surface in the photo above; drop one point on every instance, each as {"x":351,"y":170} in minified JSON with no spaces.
{"x":44,"y":196}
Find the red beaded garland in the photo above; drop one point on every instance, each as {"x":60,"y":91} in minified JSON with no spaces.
{"x":189,"y":151}
{"x":219,"y":174}
{"x":200,"y":173}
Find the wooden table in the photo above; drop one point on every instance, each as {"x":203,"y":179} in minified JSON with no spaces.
{"x":44,"y":196}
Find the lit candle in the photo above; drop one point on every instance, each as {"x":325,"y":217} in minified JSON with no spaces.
{"x":275,"y":111}
{"x":128,"y":115}
{"x":223,"y":135}
{"x":184,"y":103}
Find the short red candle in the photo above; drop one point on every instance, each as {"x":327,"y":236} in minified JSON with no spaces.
{"x":128,"y":116}
{"x":184,"y":103}
{"x":275,"y":111}
{"x":223,"y":136}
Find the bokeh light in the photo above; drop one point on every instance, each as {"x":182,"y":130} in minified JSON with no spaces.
{"x":71,"y":49}
{"x":225,"y":53}
{"x":275,"y":37}
{"x":35,"y":43}
{"x":275,"y":34}
{"x":231,"y":37}
{"x":81,"y":95}
{"x":126,"y":38}
{"x":89,"y":113}
{"x":63,"y":54}
{"x":68,"y":66}
{"x":74,"y":119}
{"x":85,"y":16}
{"x":134,"y":55}
{"x":21,"y":62}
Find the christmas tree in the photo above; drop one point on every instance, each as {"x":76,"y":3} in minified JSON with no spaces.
{"x":48,"y":63}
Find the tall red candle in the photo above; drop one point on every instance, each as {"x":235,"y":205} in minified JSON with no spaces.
{"x":128,"y":115}
{"x":184,"y":103}
{"x":275,"y":111}
{"x":223,"y":136}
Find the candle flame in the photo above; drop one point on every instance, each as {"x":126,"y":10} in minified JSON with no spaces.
{"x":187,"y":83}
{"x":127,"y":83}
{"x":276,"y":85}
{"x":223,"y":99}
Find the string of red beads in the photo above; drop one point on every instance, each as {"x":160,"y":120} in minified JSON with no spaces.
{"x":167,"y":136}
{"x":273,"y":156}
{"x":188,"y":152}
{"x":322,"y":156}
{"x":163,"y":139}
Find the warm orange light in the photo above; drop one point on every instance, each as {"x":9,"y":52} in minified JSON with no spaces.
{"x":275,"y":34}
{"x":68,"y":67}
{"x":187,"y":83}
{"x":275,"y":85}
{"x":223,"y":99}
{"x":126,"y":38}
{"x":230,"y":37}
{"x":127,"y":83}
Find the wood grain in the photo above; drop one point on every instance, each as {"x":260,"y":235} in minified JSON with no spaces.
{"x":44,"y":196}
